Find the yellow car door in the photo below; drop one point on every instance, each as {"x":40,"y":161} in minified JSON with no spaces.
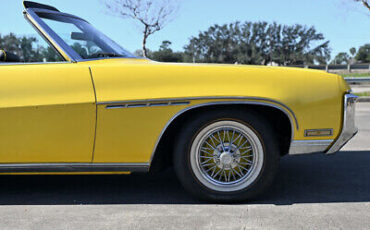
{"x":47,"y":113}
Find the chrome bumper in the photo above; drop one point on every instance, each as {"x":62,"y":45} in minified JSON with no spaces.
{"x":349,"y":128}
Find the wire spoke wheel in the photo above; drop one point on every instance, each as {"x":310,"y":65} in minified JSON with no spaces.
{"x":226,"y":156}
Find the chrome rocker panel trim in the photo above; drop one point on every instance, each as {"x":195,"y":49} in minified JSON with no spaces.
{"x":349,"y":128}
{"x":73,"y":167}
{"x":309,"y":146}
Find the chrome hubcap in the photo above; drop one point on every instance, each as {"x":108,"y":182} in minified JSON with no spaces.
{"x":227,"y":158}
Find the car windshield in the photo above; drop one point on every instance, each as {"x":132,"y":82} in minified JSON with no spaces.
{"x":83,"y":38}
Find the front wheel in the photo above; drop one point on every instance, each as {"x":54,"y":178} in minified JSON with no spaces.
{"x":226,"y":156}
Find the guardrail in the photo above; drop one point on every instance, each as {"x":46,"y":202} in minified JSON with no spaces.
{"x":357,"y":80}
{"x":349,"y":67}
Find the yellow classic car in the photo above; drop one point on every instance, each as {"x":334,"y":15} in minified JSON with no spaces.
{"x":223,"y":128}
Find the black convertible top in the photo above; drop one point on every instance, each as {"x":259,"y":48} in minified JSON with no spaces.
{"x":29,"y":4}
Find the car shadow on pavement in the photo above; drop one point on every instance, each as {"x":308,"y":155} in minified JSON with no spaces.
{"x":343,"y":177}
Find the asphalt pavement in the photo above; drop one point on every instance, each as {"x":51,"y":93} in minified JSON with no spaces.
{"x":310,"y":192}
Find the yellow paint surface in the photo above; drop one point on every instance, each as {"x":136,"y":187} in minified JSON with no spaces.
{"x":48,"y":111}
{"x":130,"y":134}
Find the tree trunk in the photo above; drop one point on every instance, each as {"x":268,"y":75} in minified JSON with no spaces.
{"x":145,"y":52}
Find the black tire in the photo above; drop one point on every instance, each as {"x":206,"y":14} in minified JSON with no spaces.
{"x":262,"y":129}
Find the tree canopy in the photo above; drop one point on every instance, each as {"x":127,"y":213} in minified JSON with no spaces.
{"x":166,"y":54}
{"x":27,"y":49}
{"x":341,"y":58}
{"x":249,"y":43}
{"x":259,"y":43}
{"x":363,"y":53}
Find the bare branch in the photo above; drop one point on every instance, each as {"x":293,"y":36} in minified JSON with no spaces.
{"x":152,"y":14}
{"x":366,"y":3}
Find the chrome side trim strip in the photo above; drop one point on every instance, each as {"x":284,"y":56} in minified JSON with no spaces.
{"x":263,"y":100}
{"x":228,"y":103}
{"x":74,"y":167}
{"x":309,"y":146}
{"x":349,"y":128}
{"x":135,"y":105}
{"x":149,"y":104}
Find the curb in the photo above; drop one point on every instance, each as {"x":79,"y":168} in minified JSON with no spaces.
{"x":363,"y":99}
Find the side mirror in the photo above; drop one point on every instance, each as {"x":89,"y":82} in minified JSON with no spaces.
{"x":8,"y":57}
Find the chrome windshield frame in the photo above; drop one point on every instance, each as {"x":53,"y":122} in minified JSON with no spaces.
{"x":54,"y":40}
{"x":50,"y":36}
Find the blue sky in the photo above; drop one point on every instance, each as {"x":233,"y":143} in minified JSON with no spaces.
{"x":345,"y":24}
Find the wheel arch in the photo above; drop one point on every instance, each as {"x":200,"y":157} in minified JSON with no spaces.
{"x":270,"y":109}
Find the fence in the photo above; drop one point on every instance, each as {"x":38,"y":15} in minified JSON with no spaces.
{"x":358,"y":80}
{"x":328,"y":68}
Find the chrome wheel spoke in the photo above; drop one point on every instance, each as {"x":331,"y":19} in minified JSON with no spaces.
{"x":240,"y":139}
{"x":212,"y":139}
{"x":246,"y":149}
{"x":233,"y":174}
{"x":220,"y":176}
{"x":226,"y":180}
{"x":206,"y":157}
{"x":214,"y":168}
{"x":239,"y":166}
{"x":245,"y":163}
{"x":237,"y":173}
{"x":245,"y":142}
{"x":205,"y":149}
{"x":209,"y":164}
{"x":210,"y":146}
{"x":221,"y":142}
{"x":217,"y":173}
{"x":246,"y":159}
{"x":229,"y":176}
{"x":206,"y":161}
